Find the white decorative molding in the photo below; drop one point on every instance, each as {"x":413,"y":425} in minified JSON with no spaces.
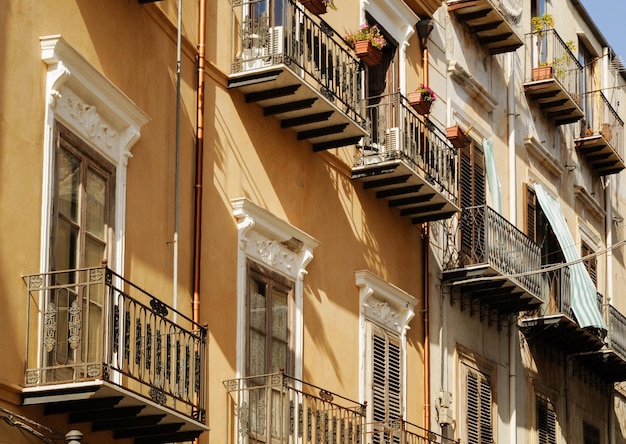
{"x":537,"y":150}
{"x":471,"y":86}
{"x":97,"y":111}
{"x":589,"y":202}
{"x":384,"y":303}
{"x":272,"y":241}
{"x":283,"y":248}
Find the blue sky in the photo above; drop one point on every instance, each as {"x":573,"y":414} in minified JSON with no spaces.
{"x":609,"y":16}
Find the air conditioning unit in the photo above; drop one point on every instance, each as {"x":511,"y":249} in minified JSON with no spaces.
{"x":276,"y":41}
{"x":392,"y":139}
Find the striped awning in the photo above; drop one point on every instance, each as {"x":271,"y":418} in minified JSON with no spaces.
{"x":584,"y":293}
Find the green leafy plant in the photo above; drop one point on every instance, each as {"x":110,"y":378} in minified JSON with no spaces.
{"x":427,"y":94}
{"x":366,"y":32}
{"x":330,"y":4}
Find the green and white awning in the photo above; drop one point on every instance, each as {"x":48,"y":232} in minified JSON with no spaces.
{"x":584,"y":293}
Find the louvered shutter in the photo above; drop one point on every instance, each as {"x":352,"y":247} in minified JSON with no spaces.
{"x":386,"y":378}
{"x":479,"y":422}
{"x":531,"y":214}
{"x":546,"y":421}
{"x":591,"y":434}
{"x":472,"y":199}
{"x":473,"y":412}
{"x":591,"y":264}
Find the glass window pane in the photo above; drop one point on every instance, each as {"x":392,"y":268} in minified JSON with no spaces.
{"x":280,"y":315}
{"x":256,"y":356}
{"x":96,"y":204}
{"x":66,"y":244}
{"x":279,"y":357}
{"x":68,"y":170}
{"x":94,"y":252}
{"x":257,"y":305}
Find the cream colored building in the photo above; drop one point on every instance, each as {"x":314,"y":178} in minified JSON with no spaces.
{"x":517,"y":355}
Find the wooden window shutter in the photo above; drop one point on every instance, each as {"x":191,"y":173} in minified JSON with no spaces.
{"x":531,"y":214}
{"x":386,"y":377}
{"x":591,"y":264}
{"x":546,"y":421}
{"x":479,"y":421}
{"x":591,"y":434}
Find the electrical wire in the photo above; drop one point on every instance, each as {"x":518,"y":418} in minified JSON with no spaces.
{"x":542,"y":270}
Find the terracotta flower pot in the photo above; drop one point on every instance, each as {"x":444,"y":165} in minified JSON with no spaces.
{"x":542,"y":73}
{"x":457,"y":138}
{"x":317,"y":7}
{"x":365,"y":51}
{"x":419,"y":105}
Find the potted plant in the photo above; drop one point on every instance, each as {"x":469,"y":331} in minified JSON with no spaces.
{"x":318,"y":7}
{"x":367,"y":42}
{"x":422,"y":99}
{"x":456,"y":136}
{"x":539,"y":26}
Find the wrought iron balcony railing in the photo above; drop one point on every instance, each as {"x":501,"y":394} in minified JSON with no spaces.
{"x":553,"y":76}
{"x":280,"y":409}
{"x":617,"y":331}
{"x":287,"y":36}
{"x":556,"y":292}
{"x":549,"y":51}
{"x":403,"y":432}
{"x":92,"y":324}
{"x":488,"y":238}
{"x":396,"y":132}
{"x":601,"y":134}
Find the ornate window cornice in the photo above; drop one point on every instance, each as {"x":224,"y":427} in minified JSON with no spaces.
{"x":271,"y":241}
{"x":384,"y":303}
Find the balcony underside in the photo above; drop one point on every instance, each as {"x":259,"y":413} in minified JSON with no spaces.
{"x":491,"y":28}
{"x":561,"y":331}
{"x":568,"y":337}
{"x":108,"y":407}
{"x":503,"y":295}
{"x":600,"y":154}
{"x":287,"y":96}
{"x":404,"y":188}
{"x":606,"y":363}
{"x":554,"y":100}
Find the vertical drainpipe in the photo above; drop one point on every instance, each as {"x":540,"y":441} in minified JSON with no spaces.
{"x":608,"y":222}
{"x":197,"y":228}
{"x":513,"y":343}
{"x":424,"y":27}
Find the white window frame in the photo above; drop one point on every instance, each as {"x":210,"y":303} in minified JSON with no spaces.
{"x":389,"y":308}
{"x":94,"y":109}
{"x":280,"y":247}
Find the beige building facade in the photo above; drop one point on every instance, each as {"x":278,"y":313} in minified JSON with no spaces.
{"x":224,"y":222}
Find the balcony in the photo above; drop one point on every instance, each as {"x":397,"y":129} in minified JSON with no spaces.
{"x":105,"y":352}
{"x":483,"y":244}
{"x":279,"y":408}
{"x":407,"y":161}
{"x":490,"y":22}
{"x":601,"y":141}
{"x":556,"y":324}
{"x":609,"y":363}
{"x":299,"y":70}
{"x":553,"y":77}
